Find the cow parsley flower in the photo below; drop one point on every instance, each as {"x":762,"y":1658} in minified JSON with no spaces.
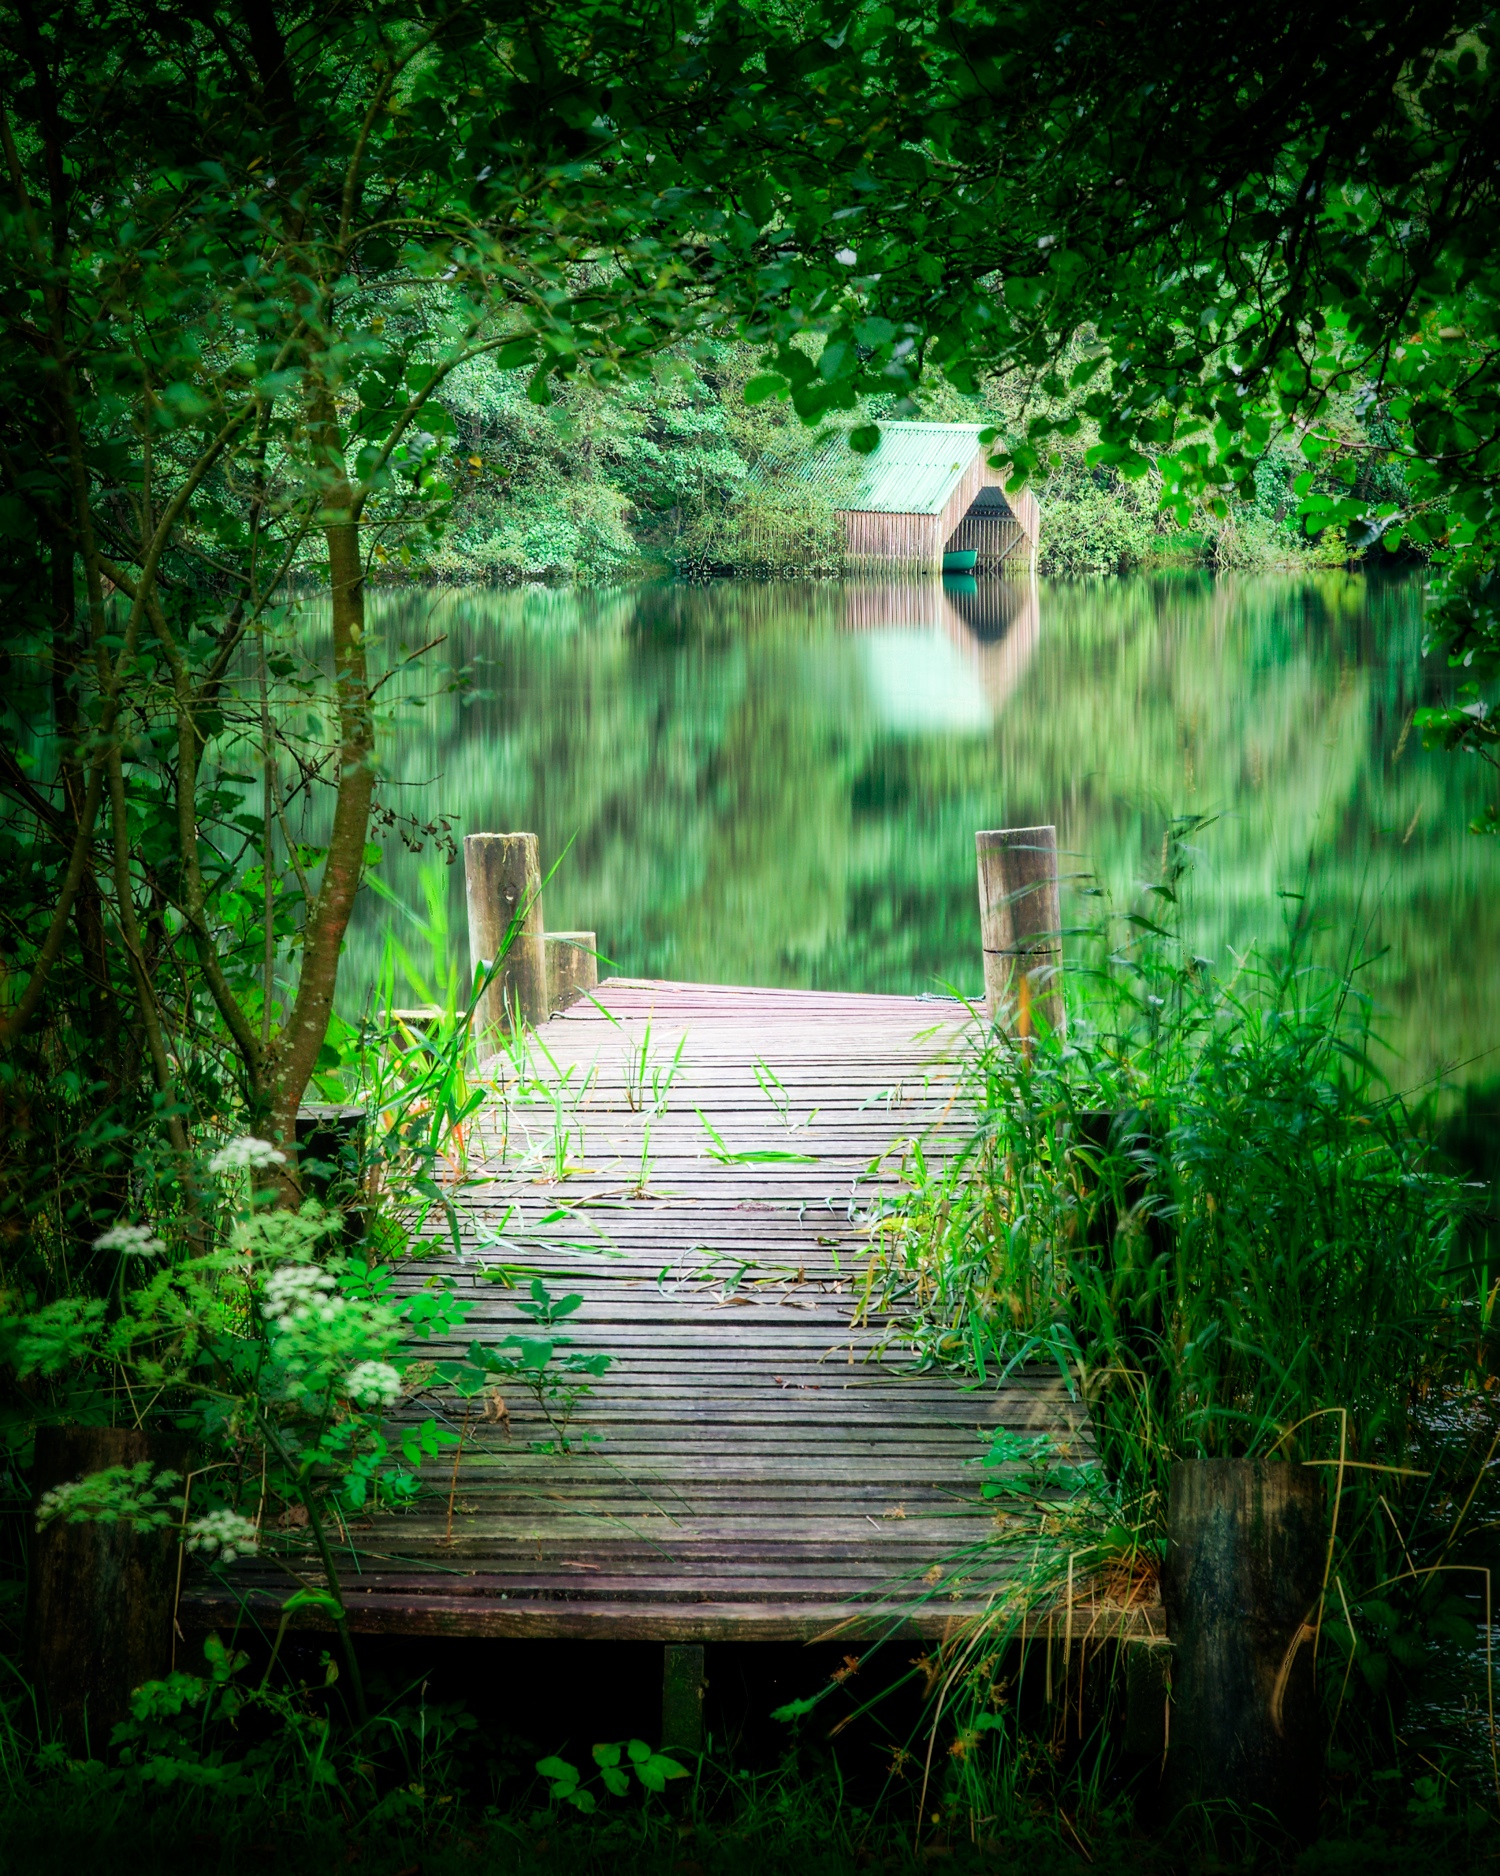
{"x":222,"y":1533}
{"x":130,"y":1241}
{"x":299,"y":1293}
{"x":374,"y":1384}
{"x":246,"y":1155}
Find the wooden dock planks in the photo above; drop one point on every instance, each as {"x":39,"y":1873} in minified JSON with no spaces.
{"x":752,"y":1465}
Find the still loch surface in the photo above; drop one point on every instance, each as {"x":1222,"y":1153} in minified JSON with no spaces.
{"x":779,"y":784}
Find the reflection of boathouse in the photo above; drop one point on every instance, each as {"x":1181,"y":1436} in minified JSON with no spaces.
{"x":926,"y":491}
{"x":991,"y":628}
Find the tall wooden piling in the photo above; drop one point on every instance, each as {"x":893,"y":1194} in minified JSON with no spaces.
{"x":100,"y":1605}
{"x":503,"y":877}
{"x":1020,"y":918}
{"x":572,"y":967}
{"x":1244,"y":1569}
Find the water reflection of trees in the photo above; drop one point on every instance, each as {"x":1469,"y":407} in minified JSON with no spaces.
{"x":740,"y":811}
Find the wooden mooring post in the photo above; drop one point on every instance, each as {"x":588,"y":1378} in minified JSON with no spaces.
{"x":102,"y":1597}
{"x":572,"y":967}
{"x":1020,"y":920}
{"x":1246,"y":1542}
{"x":503,"y":878}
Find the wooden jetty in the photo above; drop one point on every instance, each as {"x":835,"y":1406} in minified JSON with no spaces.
{"x":702,"y":1166}
{"x":754,"y":1464}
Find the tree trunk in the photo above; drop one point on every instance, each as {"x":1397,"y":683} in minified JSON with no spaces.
{"x":323,"y":938}
{"x":102,"y":1598}
{"x":1243,"y":1575}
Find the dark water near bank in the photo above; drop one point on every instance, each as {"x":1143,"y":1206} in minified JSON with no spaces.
{"x":780,"y":784}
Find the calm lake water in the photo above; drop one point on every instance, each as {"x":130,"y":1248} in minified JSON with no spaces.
{"x":779,"y":784}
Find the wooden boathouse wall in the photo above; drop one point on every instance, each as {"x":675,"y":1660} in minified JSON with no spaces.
{"x":875,"y":539}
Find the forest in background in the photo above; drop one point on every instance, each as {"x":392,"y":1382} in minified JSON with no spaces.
{"x":676,"y":472}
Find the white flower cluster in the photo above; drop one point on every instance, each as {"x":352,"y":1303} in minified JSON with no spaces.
{"x":130,"y":1241}
{"x":246,"y":1155}
{"x":222,"y":1533}
{"x":374,"y":1384}
{"x":300,"y":1293}
{"x":58,"y":1502}
{"x":116,"y":1495}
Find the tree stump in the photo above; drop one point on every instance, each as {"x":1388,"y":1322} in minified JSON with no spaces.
{"x":1243,"y":1574}
{"x":331,"y":1148}
{"x":503,"y":877}
{"x":103,"y":1597}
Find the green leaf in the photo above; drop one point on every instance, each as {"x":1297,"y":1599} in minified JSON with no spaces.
{"x":465,"y":1381}
{"x":766,"y":384}
{"x":561,"y":1771}
{"x":655,"y":1771}
{"x":515,"y":353}
{"x":864,"y":438}
{"x":606,"y":1755}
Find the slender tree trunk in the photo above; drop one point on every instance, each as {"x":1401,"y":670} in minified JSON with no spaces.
{"x":296,"y":1056}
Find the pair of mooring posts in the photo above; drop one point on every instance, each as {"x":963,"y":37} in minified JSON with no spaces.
{"x":1228,"y":1707}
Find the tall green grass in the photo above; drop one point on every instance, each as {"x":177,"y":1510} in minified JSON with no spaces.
{"x":1210,"y":1212}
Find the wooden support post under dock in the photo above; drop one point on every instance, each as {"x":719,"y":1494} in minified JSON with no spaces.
{"x":682,"y":1688}
{"x":1021,"y":928}
{"x":502,"y":873}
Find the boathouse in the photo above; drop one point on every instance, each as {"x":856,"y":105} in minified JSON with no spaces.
{"x":927,"y":491}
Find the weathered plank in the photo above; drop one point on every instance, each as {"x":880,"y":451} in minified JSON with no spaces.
{"x":756,"y":1462}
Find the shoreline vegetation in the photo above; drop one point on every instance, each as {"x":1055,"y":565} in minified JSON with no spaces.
{"x":679,"y":474}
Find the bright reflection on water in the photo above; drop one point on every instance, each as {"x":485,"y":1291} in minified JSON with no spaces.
{"x":779,"y":784}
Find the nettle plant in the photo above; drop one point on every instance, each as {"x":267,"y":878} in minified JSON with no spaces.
{"x":556,"y":1374}
{"x":566,"y":1784}
{"x":278,"y":1353}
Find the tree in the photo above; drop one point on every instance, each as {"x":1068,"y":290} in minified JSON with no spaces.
{"x":247,"y":246}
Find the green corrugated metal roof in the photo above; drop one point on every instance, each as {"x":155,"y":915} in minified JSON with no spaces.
{"x":914,"y":471}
